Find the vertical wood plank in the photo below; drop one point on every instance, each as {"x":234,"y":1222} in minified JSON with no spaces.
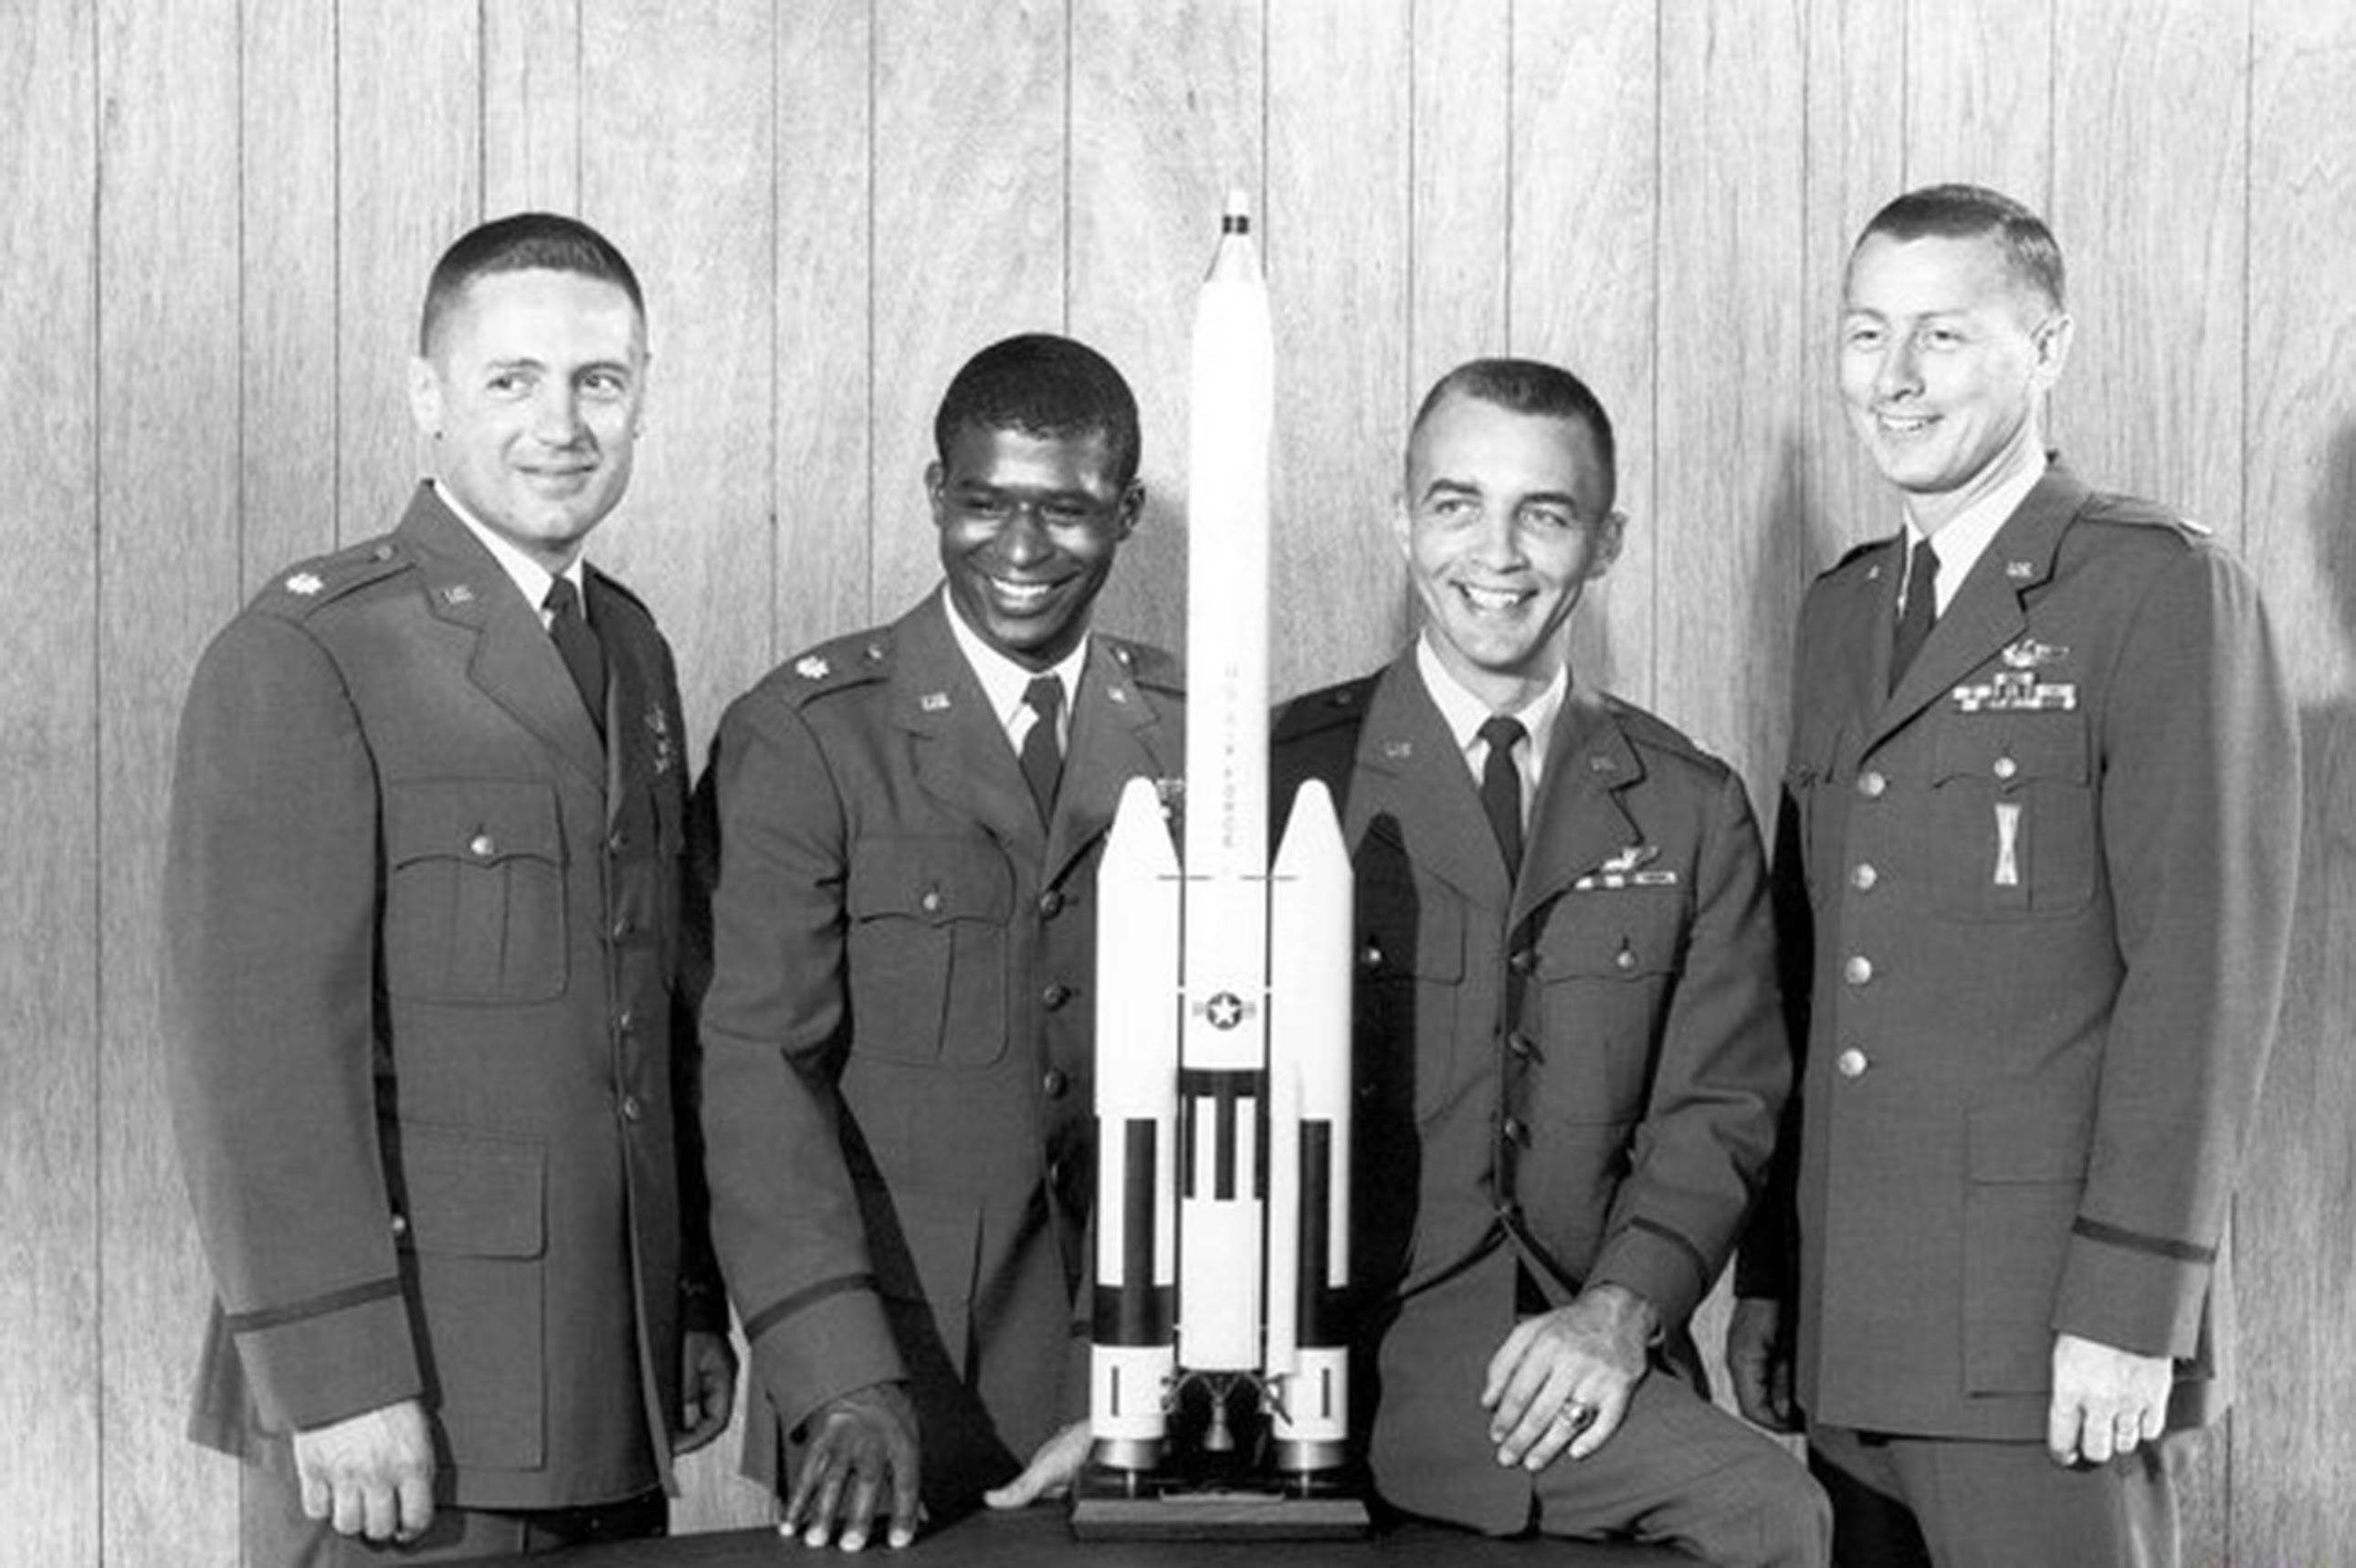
{"x":1979,"y":95}
{"x":970,"y":232}
{"x":50,"y":1490}
{"x":677,"y":170}
{"x":1728,"y":493}
{"x":408,"y":101}
{"x":287,"y":346}
{"x":823,"y":379}
{"x":2152,"y":403}
{"x":2294,"y":1447}
{"x":169,"y":361}
{"x":1585,"y":235}
{"x":1461,"y":193}
{"x":533,"y":107}
{"x":1337,"y":239}
{"x":1856,"y":92}
{"x":1165,"y":121}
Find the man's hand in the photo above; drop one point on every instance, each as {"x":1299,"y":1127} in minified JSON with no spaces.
{"x":1050,"y":1473}
{"x":370,"y":1474}
{"x":1561,"y":1381}
{"x":2106,"y":1401}
{"x":707,"y":1389}
{"x":860,"y":1443}
{"x":1758,"y":1360}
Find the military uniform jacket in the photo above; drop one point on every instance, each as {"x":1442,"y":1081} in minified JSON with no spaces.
{"x":899,"y":1034}
{"x":420,"y":946}
{"x":1583,"y":1067}
{"x":2046,"y":886}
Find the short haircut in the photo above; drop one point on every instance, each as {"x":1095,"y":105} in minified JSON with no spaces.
{"x":1531,"y":387}
{"x":1968,"y":211}
{"x":1047,"y":387}
{"x":522,"y":241}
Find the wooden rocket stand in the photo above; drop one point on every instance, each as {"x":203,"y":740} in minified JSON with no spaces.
{"x":1219,"y":1371}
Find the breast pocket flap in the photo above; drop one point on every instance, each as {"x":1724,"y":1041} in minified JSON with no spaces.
{"x":485,"y":820}
{"x":936,"y":881}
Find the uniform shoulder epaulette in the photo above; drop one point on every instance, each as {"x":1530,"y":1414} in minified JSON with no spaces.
{"x":1853,"y":554}
{"x":1647,"y":728}
{"x":846,"y":661}
{"x":302,"y":588}
{"x":2134,"y":512}
{"x":1149,"y":666}
{"x":1330,"y":707}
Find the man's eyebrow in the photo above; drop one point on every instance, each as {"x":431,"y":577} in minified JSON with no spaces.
{"x":1451,"y":487}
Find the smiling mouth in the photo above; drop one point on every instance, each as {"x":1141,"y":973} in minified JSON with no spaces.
{"x":1491,"y":601}
{"x":1020,"y":595}
{"x":1903,"y":423}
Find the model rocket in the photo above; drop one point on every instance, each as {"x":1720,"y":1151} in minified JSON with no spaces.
{"x":1223,"y":1000}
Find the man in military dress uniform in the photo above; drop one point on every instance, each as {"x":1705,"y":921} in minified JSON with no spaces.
{"x":1569,"y":1044}
{"x":897,"y":1091}
{"x":425,"y":875}
{"x":2040,"y":812}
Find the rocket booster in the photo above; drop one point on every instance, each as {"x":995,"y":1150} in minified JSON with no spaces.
{"x":1223,"y":1034}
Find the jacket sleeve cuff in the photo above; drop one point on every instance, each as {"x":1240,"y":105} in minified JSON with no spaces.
{"x":1658,"y":1264}
{"x":823,"y":1351}
{"x":2133,"y":1292}
{"x":321,"y":1368}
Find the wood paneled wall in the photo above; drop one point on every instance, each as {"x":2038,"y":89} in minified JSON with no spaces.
{"x":220,"y":214}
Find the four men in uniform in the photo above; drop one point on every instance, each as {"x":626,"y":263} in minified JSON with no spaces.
{"x":2031,"y":896}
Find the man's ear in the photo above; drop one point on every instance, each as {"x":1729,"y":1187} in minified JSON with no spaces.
{"x":1402,"y":525}
{"x":425,"y":397}
{"x":1131,"y":510}
{"x":934,"y":474}
{"x":2052,"y":341}
{"x":1609,"y":536}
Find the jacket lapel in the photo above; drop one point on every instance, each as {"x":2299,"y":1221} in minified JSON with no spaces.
{"x":1116,"y":735}
{"x":1578,"y":821}
{"x":961,"y":755}
{"x":515,"y":664}
{"x":1414,"y":790}
{"x":1987,"y":614}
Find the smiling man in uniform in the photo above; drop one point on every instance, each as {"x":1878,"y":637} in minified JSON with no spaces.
{"x":1570,"y":1047}
{"x":423,"y":891}
{"x":899,"y":1030}
{"x":2038,"y":848}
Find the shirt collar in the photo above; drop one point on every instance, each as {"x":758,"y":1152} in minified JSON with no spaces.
{"x":1003,"y":680}
{"x":531,"y":579}
{"x":1966,"y":536}
{"x":1464,"y":714}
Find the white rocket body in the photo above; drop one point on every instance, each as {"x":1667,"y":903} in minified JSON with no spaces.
{"x":1223,"y":1017}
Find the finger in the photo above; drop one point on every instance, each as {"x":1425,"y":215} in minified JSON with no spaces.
{"x":1502,"y":1364}
{"x":1545,"y":1409}
{"x":414,"y":1497}
{"x":2154,"y":1421}
{"x":318,"y":1497}
{"x":857,"y":1518}
{"x":350,"y":1508}
{"x":820,"y":1526}
{"x":907,"y":1505}
{"x":379,"y":1508}
{"x":1535,"y":1385}
{"x":1779,"y":1393}
{"x":2061,"y":1420}
{"x":1018,"y":1493}
{"x":1570,"y":1417}
{"x":1610,"y":1410}
{"x":2095,"y":1439}
{"x":1752,"y":1397}
{"x":814,"y":1464}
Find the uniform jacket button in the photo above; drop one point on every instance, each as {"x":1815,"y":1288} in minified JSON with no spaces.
{"x":1517,"y":1131}
{"x":1862,"y":876}
{"x":482,"y":846}
{"x":631,"y":1108}
{"x":931,"y":902}
{"x":1054,"y":1083}
{"x":1055,"y":995}
{"x":1523,"y":961}
{"x":1051,"y":904}
{"x":1859,"y":970}
{"x":1870,"y":784}
{"x":2005,"y":768}
{"x":1851,"y":1063}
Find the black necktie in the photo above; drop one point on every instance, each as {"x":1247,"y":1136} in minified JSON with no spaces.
{"x":1043,"y":755}
{"x":1501,"y":788}
{"x":578,"y":646}
{"x":1922,"y":609}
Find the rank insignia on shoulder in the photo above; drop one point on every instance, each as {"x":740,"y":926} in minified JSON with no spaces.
{"x":2021,"y":571}
{"x":304,"y":583}
{"x":458,"y":593}
{"x":810,"y":666}
{"x":933,"y":702}
{"x":658,"y":732}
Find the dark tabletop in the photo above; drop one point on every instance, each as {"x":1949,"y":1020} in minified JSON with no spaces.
{"x":1043,"y":1535}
